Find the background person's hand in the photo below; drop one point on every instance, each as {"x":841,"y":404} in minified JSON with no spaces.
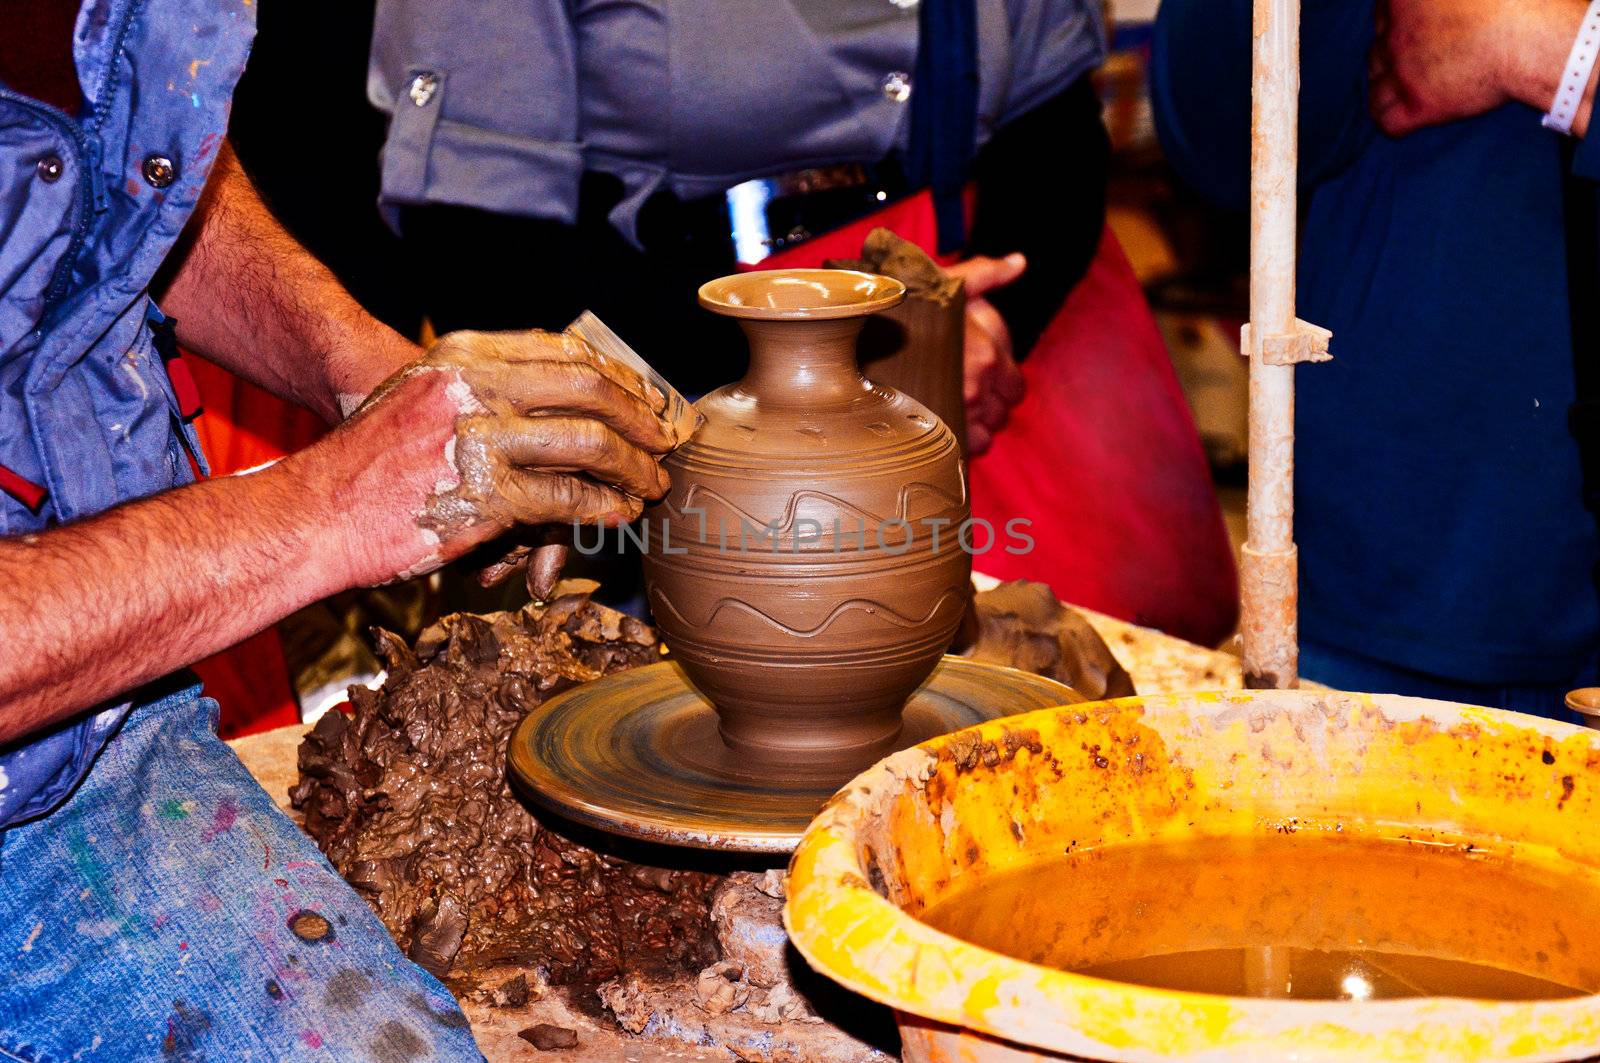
{"x":992,"y":383}
{"x":485,"y":431}
{"x":1436,"y":61}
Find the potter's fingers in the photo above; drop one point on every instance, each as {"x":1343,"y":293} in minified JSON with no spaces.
{"x":620,"y":373}
{"x":467,"y":347}
{"x":577,"y":445}
{"x":535,"y":345}
{"x":983,"y":274}
{"x":544,"y":570}
{"x":514,"y":559}
{"x":978,"y":353}
{"x":540,"y":556}
{"x":557,"y":498}
{"x":578,"y":387}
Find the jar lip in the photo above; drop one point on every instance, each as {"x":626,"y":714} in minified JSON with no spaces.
{"x":801,"y":294}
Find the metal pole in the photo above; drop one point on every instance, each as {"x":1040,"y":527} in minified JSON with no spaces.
{"x":1274,"y":341}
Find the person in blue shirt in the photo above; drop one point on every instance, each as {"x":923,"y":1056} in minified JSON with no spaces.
{"x":154,"y":902}
{"x":612,"y":134}
{"x":1445,"y":549}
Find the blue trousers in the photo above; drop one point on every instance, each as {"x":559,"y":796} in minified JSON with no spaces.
{"x":1347,"y":671}
{"x":169,"y":911}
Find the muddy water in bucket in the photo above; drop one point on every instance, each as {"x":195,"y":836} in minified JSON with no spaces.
{"x":1267,"y":875}
{"x":1302,"y":915}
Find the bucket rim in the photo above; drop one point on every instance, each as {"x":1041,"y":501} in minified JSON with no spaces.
{"x":857,"y":937}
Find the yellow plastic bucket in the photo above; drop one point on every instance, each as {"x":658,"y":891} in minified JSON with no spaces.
{"x":910,"y":830}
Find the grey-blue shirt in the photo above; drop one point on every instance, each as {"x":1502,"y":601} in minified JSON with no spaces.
{"x":503,"y":106}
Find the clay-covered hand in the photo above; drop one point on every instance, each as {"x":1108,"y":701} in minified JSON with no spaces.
{"x":490,"y":430}
{"x":1435,"y":61}
{"x":992,"y":383}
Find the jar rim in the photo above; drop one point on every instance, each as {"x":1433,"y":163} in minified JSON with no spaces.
{"x":801,"y":294}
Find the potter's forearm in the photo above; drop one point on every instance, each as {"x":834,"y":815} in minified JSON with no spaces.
{"x":248,"y":297}
{"x":482,"y":435}
{"x":97,"y":608}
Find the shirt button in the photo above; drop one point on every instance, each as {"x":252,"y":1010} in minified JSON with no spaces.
{"x":50,"y":169}
{"x":159,"y":171}
{"x":897,"y":86}
{"x":422,"y":88}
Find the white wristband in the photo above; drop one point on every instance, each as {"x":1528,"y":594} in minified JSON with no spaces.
{"x":1575,"y":78}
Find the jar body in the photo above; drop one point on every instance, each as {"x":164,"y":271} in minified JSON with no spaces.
{"x":806,"y":568}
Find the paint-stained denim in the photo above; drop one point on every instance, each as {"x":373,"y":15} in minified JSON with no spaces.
{"x":154,"y":916}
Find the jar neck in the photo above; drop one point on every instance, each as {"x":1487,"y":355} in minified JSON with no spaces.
{"x":804,"y":363}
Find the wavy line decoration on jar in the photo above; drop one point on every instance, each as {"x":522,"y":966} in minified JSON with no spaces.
{"x":806,"y":568}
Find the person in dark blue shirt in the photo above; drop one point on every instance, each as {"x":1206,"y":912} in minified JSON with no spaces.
{"x":1445,"y":550}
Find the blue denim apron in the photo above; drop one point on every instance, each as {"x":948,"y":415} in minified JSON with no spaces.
{"x":168,"y":911}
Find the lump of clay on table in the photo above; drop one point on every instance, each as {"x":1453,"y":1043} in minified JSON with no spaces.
{"x":548,"y":1038}
{"x":409,"y":800}
{"x":1023,"y":625}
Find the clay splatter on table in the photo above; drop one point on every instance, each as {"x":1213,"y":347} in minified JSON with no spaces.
{"x":408,"y":798}
{"x":543,"y":938}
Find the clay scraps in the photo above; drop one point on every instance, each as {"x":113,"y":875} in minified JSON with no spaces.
{"x":409,"y":800}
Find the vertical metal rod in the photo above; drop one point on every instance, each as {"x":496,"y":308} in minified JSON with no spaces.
{"x":1269,"y":614}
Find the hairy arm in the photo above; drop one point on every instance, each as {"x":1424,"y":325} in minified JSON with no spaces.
{"x":248,"y":297}
{"x":128,"y":596}
{"x":485,"y":432}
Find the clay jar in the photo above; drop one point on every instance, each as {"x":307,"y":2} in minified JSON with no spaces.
{"x":805,"y":568}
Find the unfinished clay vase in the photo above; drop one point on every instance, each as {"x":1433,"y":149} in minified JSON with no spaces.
{"x":805,"y":568}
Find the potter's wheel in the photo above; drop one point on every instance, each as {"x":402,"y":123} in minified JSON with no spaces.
{"x":637,"y":753}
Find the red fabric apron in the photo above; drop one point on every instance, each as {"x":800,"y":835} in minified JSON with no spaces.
{"x":1102,"y":455}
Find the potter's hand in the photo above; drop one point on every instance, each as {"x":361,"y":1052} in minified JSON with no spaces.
{"x":488,"y":430}
{"x":1435,"y":61}
{"x":992,"y":384}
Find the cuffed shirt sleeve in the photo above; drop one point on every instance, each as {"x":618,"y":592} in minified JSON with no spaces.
{"x":477,"y":120}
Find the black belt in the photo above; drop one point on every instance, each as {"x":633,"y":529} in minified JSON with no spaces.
{"x":767,"y":215}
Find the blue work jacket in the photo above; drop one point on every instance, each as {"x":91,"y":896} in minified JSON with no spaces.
{"x":90,"y":206}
